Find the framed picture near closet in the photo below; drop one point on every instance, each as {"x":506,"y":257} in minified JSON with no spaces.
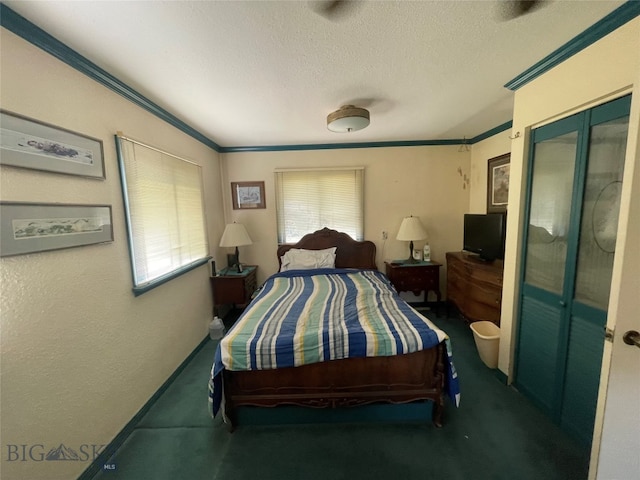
{"x":498,"y":184}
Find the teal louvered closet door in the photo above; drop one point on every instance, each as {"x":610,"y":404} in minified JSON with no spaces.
{"x":573,"y":200}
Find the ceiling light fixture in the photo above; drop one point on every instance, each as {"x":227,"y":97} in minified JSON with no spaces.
{"x":348,"y":119}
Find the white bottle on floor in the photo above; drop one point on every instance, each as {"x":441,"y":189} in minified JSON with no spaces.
{"x":216,"y":328}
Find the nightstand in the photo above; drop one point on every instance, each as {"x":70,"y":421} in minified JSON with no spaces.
{"x":233,"y":288}
{"x":415,"y":277}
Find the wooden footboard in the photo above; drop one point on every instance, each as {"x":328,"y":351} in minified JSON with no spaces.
{"x":342,"y":383}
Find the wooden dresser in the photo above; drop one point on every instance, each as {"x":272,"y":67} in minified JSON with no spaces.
{"x":475,"y":286}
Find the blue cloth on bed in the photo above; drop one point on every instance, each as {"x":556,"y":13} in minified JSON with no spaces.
{"x":307,"y":316}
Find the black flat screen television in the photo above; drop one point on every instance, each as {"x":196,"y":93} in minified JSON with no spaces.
{"x":484,"y":234}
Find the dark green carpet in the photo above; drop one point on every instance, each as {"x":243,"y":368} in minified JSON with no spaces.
{"x":495,"y":434}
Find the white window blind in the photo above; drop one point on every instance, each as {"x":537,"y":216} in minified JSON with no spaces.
{"x":165,"y":213}
{"x":308,"y":200}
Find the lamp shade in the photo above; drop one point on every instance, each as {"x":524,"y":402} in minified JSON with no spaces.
{"x":235,"y":235}
{"x":411,"y":229}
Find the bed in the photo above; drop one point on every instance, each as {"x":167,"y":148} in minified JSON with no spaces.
{"x":311,"y":337}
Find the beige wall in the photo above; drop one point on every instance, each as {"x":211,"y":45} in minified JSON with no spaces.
{"x":402,"y":181}
{"x":80,"y":354}
{"x":600,"y":73}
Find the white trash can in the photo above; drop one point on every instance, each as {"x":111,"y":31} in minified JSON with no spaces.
{"x":487,"y":338}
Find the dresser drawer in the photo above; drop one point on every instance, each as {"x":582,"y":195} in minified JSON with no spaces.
{"x":485,"y":293}
{"x":480,"y":312}
{"x":484,"y":275}
{"x":455,"y":279}
{"x":474,"y":287}
{"x":416,"y":278}
{"x":410,"y":278}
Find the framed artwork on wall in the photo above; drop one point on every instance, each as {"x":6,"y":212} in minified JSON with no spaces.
{"x":498,"y":184}
{"x":39,"y":227}
{"x":248,"y":195}
{"x":28,"y":143}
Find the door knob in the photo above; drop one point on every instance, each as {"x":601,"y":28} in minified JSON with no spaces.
{"x":632,"y":338}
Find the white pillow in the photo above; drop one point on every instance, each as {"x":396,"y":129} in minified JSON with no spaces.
{"x":300,"y":259}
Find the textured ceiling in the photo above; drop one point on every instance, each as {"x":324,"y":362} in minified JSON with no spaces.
{"x":267,"y":73}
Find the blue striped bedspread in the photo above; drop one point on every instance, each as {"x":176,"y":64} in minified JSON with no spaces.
{"x":307,"y":316}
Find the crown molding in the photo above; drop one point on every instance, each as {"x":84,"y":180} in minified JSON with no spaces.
{"x":334,"y":146}
{"x":623,"y":14}
{"x":400,"y":143}
{"x":492,"y":132}
{"x":22,"y":27}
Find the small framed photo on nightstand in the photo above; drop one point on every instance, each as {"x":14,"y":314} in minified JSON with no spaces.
{"x":417,"y":254}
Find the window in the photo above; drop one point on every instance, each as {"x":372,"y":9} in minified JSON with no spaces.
{"x":308,"y":200}
{"x":165,"y":213}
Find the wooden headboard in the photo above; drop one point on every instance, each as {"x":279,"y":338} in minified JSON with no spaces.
{"x":349,"y":252}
